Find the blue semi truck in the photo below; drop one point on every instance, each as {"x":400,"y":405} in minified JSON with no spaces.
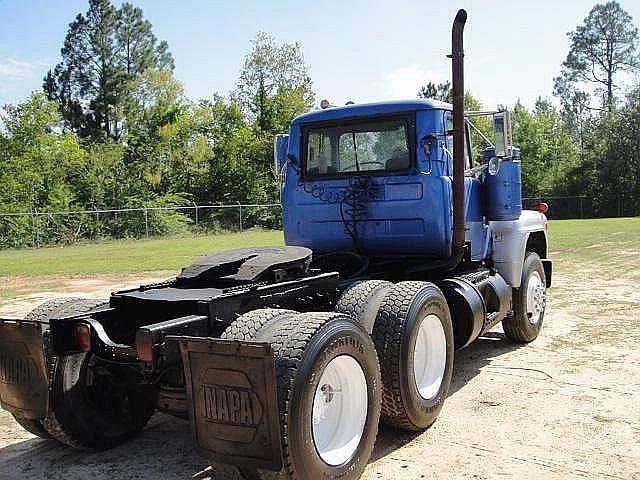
{"x":401,"y":247}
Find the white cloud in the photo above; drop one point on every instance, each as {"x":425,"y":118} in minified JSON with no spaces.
{"x":12,"y":69}
{"x":404,"y":82}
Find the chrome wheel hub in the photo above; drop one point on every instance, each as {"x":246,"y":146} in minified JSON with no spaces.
{"x":536,"y":297}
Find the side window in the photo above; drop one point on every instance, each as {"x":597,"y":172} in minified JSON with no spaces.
{"x":467,"y":140}
{"x":319,"y":159}
{"x":449,"y":134}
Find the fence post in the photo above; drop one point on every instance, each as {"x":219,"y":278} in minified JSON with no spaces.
{"x":619,"y":206}
{"x":196,"y":207}
{"x":581,"y":209}
{"x":37,"y":228}
{"x":36,"y":233}
{"x":146,"y":221}
{"x":240,"y":206}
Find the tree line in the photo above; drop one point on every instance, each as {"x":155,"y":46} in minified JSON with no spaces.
{"x":586,"y":143}
{"x":112,"y":126}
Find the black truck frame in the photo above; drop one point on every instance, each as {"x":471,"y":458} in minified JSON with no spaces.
{"x":156,"y":334}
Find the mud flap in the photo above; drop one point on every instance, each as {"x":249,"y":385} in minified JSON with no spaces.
{"x":232,"y":403}
{"x":24,"y":386}
{"x":548,"y":269}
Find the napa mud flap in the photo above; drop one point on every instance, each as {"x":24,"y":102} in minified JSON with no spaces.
{"x":232,"y":403}
{"x":24,"y":386}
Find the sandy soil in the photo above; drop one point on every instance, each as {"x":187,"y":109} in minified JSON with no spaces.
{"x":564,"y":406}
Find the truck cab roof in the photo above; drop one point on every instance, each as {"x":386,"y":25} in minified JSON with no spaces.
{"x":370,"y":109}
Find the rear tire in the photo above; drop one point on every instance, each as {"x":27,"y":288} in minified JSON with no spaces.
{"x":413,"y":335}
{"x":91,"y":408}
{"x":71,"y":418}
{"x":246,"y":326}
{"x":328,"y":381}
{"x":32,"y":426}
{"x":43,"y":313}
{"x":362,"y":301}
{"x":529,"y":302}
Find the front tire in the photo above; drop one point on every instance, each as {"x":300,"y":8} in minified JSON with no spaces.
{"x":529,"y":302}
{"x":413,"y":335}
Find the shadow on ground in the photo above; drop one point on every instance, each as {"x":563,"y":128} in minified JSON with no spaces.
{"x":165,"y":448}
{"x":467,"y":364}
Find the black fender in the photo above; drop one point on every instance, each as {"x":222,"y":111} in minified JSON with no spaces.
{"x":468,"y":309}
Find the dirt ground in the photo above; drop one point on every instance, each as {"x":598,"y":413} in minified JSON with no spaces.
{"x":564,"y":406}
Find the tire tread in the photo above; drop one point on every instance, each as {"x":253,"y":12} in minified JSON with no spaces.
{"x":249,"y":324}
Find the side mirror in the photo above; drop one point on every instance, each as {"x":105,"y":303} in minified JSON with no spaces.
{"x":280,"y":147}
{"x":427,"y":142}
{"x":493,"y":166}
{"x":502,"y":134}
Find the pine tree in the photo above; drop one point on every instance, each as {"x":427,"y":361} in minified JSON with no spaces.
{"x":104,"y":51}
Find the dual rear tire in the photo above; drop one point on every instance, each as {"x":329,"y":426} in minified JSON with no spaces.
{"x":331,"y":387}
{"x":413,"y":335}
{"x":329,"y":390}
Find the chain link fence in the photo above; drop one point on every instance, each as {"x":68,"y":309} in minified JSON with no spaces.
{"x":603,"y":206}
{"x":35,"y":229}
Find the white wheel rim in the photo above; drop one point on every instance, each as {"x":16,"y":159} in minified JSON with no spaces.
{"x":429,"y":356}
{"x":339,"y":410}
{"x":536,"y":297}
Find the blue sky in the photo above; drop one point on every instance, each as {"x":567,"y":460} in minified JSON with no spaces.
{"x":357,"y":50}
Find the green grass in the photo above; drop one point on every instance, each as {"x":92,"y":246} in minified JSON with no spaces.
{"x":607,"y":241}
{"x":126,"y":256}
{"x":571,"y":235}
{"x":592,"y":241}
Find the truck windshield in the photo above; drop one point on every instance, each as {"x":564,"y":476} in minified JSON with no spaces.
{"x":357,"y":147}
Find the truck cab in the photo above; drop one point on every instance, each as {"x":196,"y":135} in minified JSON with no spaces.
{"x":377,"y":179}
{"x":368,"y":178}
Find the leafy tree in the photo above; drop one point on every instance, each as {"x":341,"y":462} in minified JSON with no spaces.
{"x":441,"y":91}
{"x":444,"y":93}
{"x":36,"y":160}
{"x":157,"y":104}
{"x":577,"y":117}
{"x":548,"y":151}
{"x":138,"y":47}
{"x":274,"y":84}
{"x":101,"y":179}
{"x":104,"y":51}
{"x":621,"y":172}
{"x":238,"y":168}
{"x":604,"y":46}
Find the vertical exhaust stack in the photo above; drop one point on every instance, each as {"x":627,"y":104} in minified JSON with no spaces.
{"x":457,"y":60}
